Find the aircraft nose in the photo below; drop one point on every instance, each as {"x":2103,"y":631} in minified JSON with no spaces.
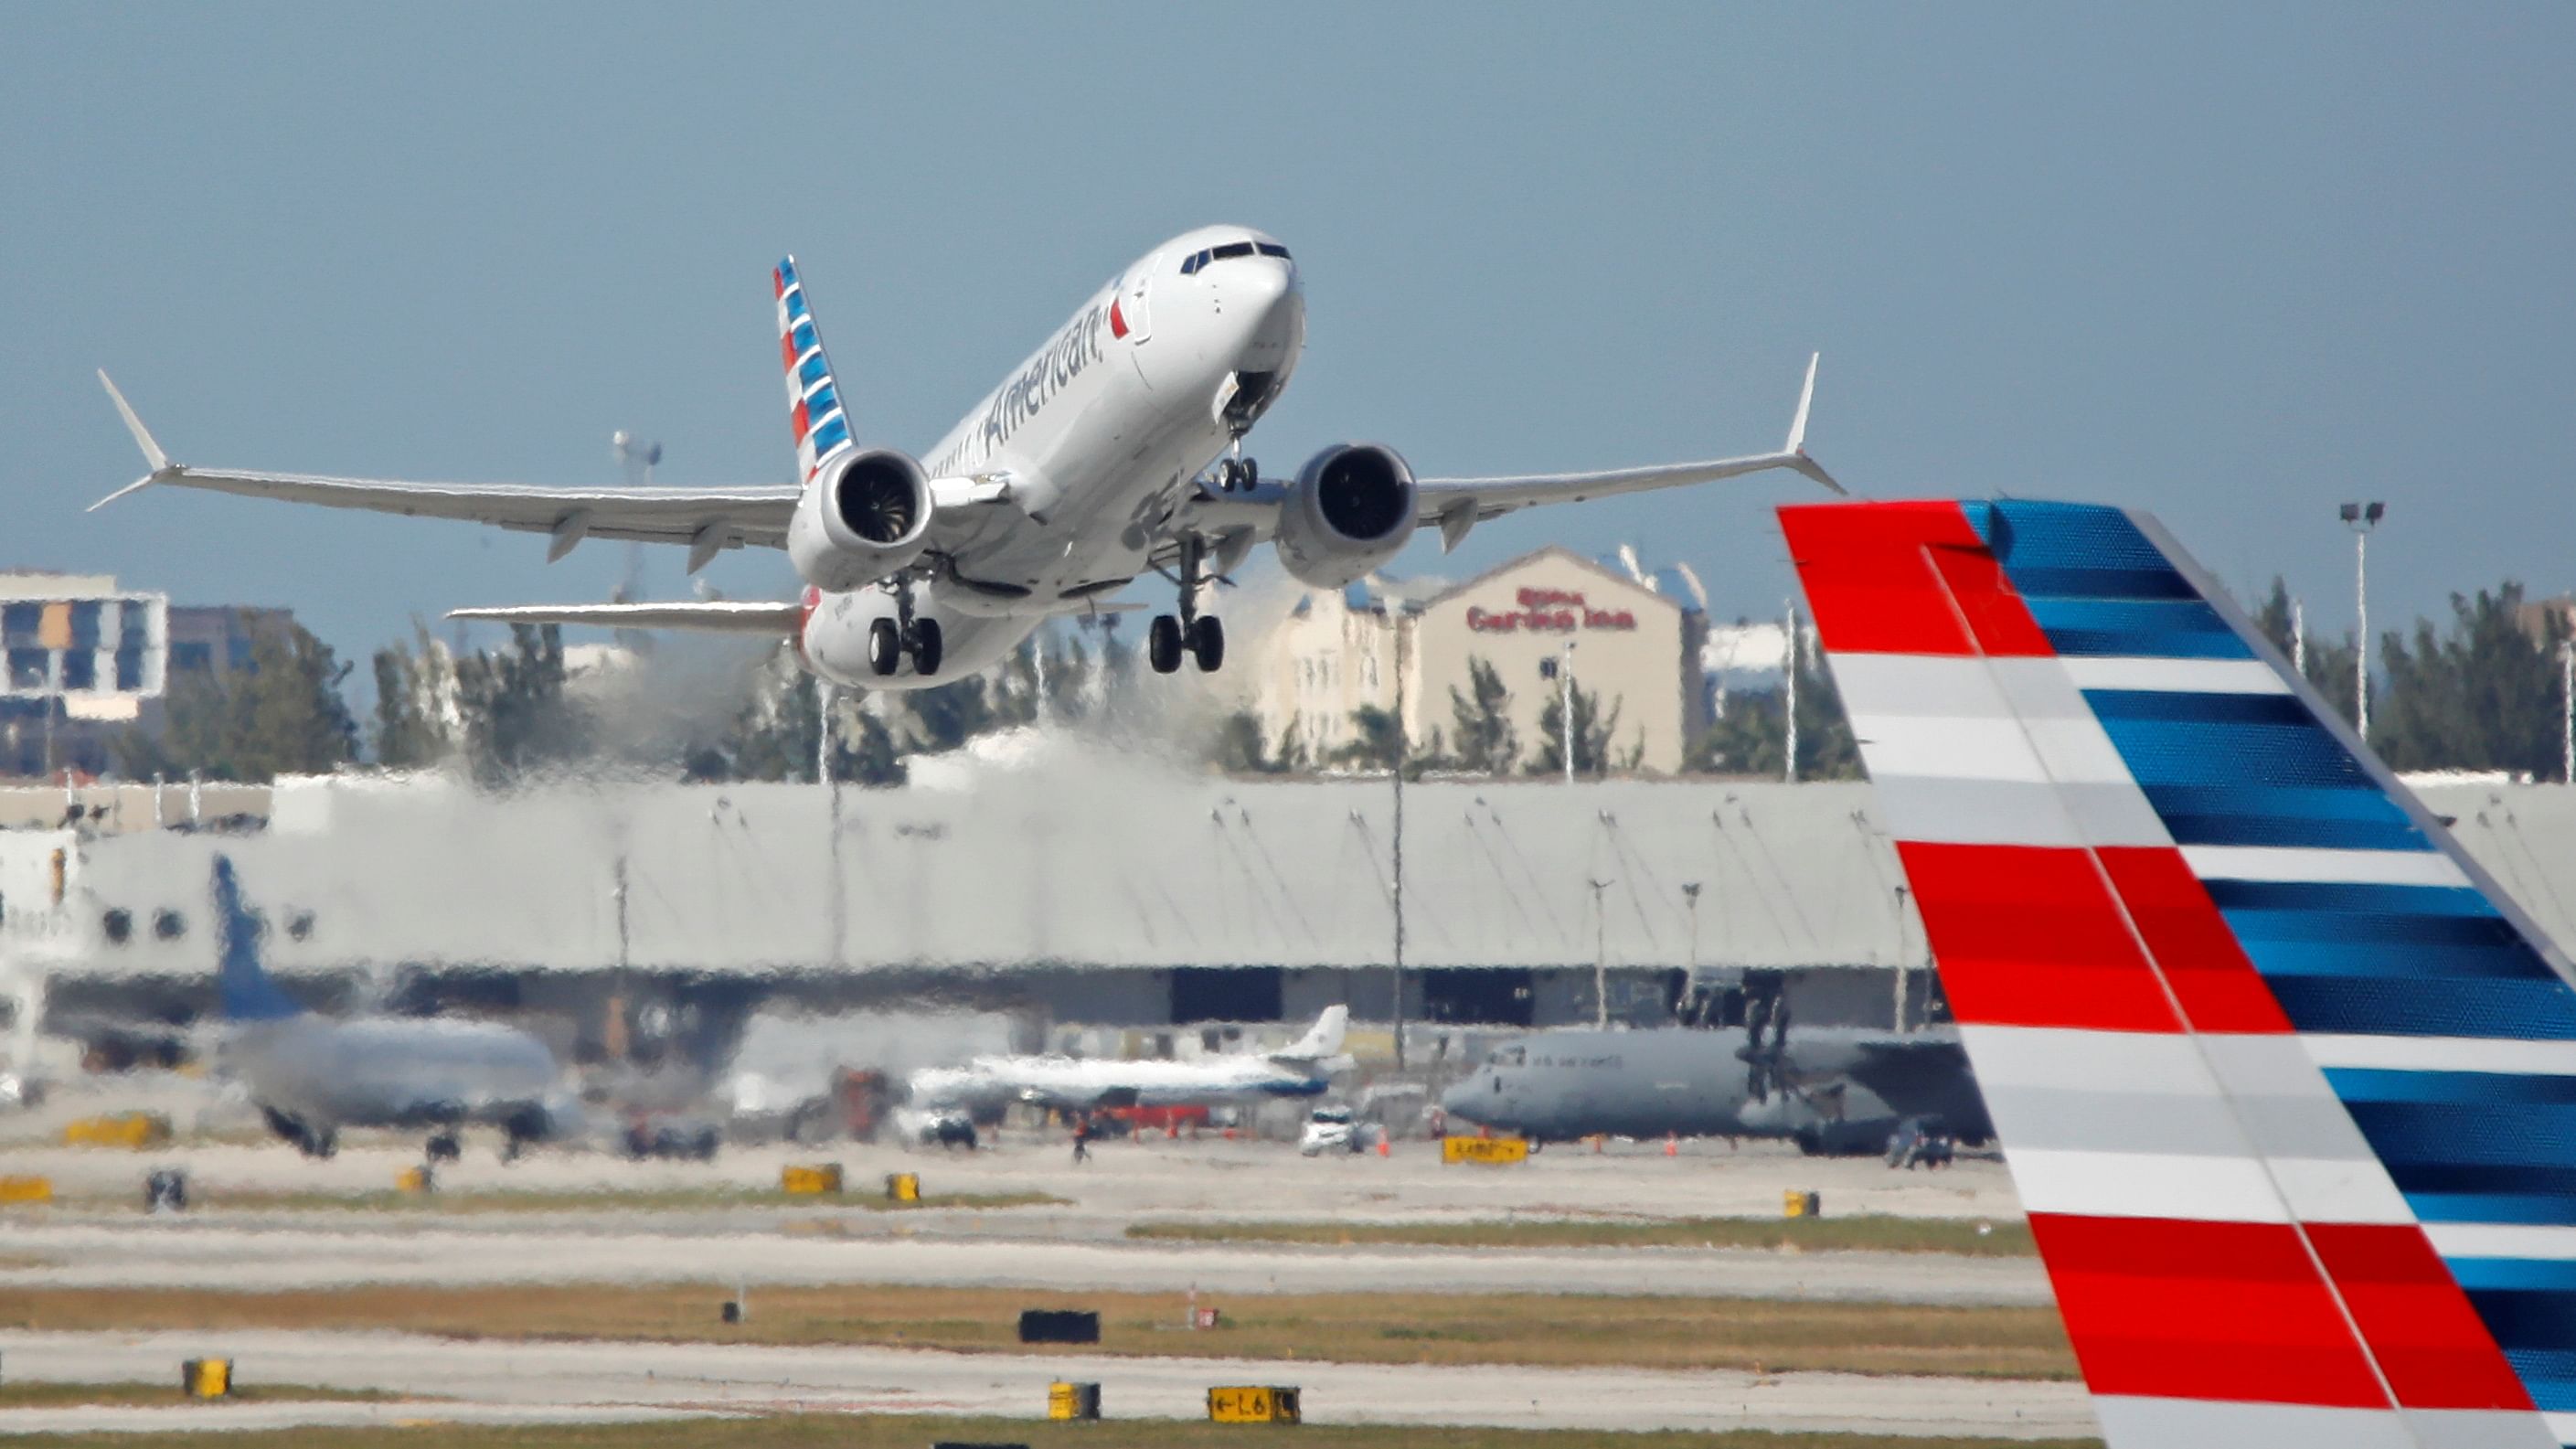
{"x":1459,"y":1098}
{"x":1265,"y":308}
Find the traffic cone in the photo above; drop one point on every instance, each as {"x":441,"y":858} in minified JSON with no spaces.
{"x":1385,"y":1145}
{"x":1672,"y":1144}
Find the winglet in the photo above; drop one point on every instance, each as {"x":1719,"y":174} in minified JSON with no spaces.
{"x":152,"y":454}
{"x":1796,"y":447}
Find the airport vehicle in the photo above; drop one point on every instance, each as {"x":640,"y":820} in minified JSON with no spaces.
{"x":2283,"y":1077}
{"x":1836,"y":1089}
{"x":1329,"y":1129}
{"x":310,"y":1075}
{"x":1305,"y":1068}
{"x":1115,"y":449}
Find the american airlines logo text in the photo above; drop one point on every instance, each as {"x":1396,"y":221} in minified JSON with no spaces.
{"x":1549,"y":611}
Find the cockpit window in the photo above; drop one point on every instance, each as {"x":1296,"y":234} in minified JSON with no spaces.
{"x":1191,"y":264}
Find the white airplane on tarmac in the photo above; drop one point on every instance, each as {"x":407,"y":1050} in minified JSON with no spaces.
{"x":1115,"y":449}
{"x":1304,"y":1068}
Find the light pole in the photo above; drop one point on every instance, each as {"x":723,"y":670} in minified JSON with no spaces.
{"x":1690,"y":978}
{"x":1789,"y":674}
{"x":2361,"y":518}
{"x":1403,"y":613}
{"x":1600,"y":959}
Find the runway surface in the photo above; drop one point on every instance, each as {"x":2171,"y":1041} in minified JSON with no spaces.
{"x":554,"y":1381}
{"x":178,"y":1253}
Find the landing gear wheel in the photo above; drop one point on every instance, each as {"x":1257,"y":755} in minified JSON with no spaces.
{"x":1163,"y":644}
{"x":885,"y":648}
{"x":444,"y":1148}
{"x":925,"y":646}
{"x":1207,"y":643}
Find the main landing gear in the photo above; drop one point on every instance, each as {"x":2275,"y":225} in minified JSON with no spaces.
{"x":891,"y":639}
{"x":1203,"y":635}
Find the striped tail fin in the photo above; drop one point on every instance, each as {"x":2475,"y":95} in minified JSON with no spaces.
{"x":814,"y":412}
{"x":2287,"y":1086}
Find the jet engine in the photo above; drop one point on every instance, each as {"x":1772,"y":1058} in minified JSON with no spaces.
{"x":865,"y":516}
{"x":1349,"y":511}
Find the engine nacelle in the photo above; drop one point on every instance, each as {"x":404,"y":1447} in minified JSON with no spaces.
{"x":1349,"y":512}
{"x":866,"y":516}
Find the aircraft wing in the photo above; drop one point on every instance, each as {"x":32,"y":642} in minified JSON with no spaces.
{"x":723,"y":615}
{"x":1455,"y":505}
{"x":705,"y":519}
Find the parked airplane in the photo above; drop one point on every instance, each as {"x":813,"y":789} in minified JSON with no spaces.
{"x":311,"y":1076}
{"x":1116,"y":448}
{"x":1837,"y":1089}
{"x":987,"y":1084}
{"x":2286,"y":1083}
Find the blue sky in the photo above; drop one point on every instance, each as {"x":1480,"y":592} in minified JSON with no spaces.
{"x":2230,"y":263}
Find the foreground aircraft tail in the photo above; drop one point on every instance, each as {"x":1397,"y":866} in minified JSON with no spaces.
{"x":243,"y":984}
{"x":814,"y":413}
{"x":2287,"y":1086}
{"x":1322,"y":1041}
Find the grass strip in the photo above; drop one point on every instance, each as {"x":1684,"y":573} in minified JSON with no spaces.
{"x":882,"y":1431}
{"x":1547,"y":1330}
{"x":2006,"y":1238}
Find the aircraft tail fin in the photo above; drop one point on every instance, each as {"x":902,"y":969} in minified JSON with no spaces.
{"x":2286,"y":1084}
{"x":814,"y":412}
{"x":247,"y":992}
{"x":1322,"y":1041}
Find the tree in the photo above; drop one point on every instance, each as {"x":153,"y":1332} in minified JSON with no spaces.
{"x":2484,"y":697}
{"x":1592,"y":732}
{"x":1377,"y":740}
{"x":779,"y":731}
{"x":282,"y":715}
{"x":518,"y":720}
{"x":943,"y":718}
{"x":1239,"y":748}
{"x":1289,"y":756}
{"x":1487,"y":743}
{"x":2329,"y":663}
{"x":1752,"y":738}
{"x":415,"y":694}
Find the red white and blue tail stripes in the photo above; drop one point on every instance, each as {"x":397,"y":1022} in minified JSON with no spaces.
{"x":813,"y":399}
{"x":2286,"y":1085}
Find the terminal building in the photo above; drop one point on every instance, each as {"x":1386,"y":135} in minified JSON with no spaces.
{"x":1070,"y":888}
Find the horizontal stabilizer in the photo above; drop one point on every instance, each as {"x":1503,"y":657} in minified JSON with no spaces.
{"x":727,"y":616}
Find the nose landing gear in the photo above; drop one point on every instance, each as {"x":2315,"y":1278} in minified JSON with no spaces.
{"x":1203,"y":635}
{"x":891,"y":639}
{"x":1236,"y":475}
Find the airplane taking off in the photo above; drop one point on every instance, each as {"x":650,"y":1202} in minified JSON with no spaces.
{"x":2286,"y":1083}
{"x":1305,"y":1068}
{"x":1837,"y":1089}
{"x":310,"y":1076}
{"x":1115,"y":449}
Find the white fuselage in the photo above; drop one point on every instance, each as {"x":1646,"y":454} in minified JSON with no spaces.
{"x":1102,"y":435}
{"x":1070,"y":1081}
